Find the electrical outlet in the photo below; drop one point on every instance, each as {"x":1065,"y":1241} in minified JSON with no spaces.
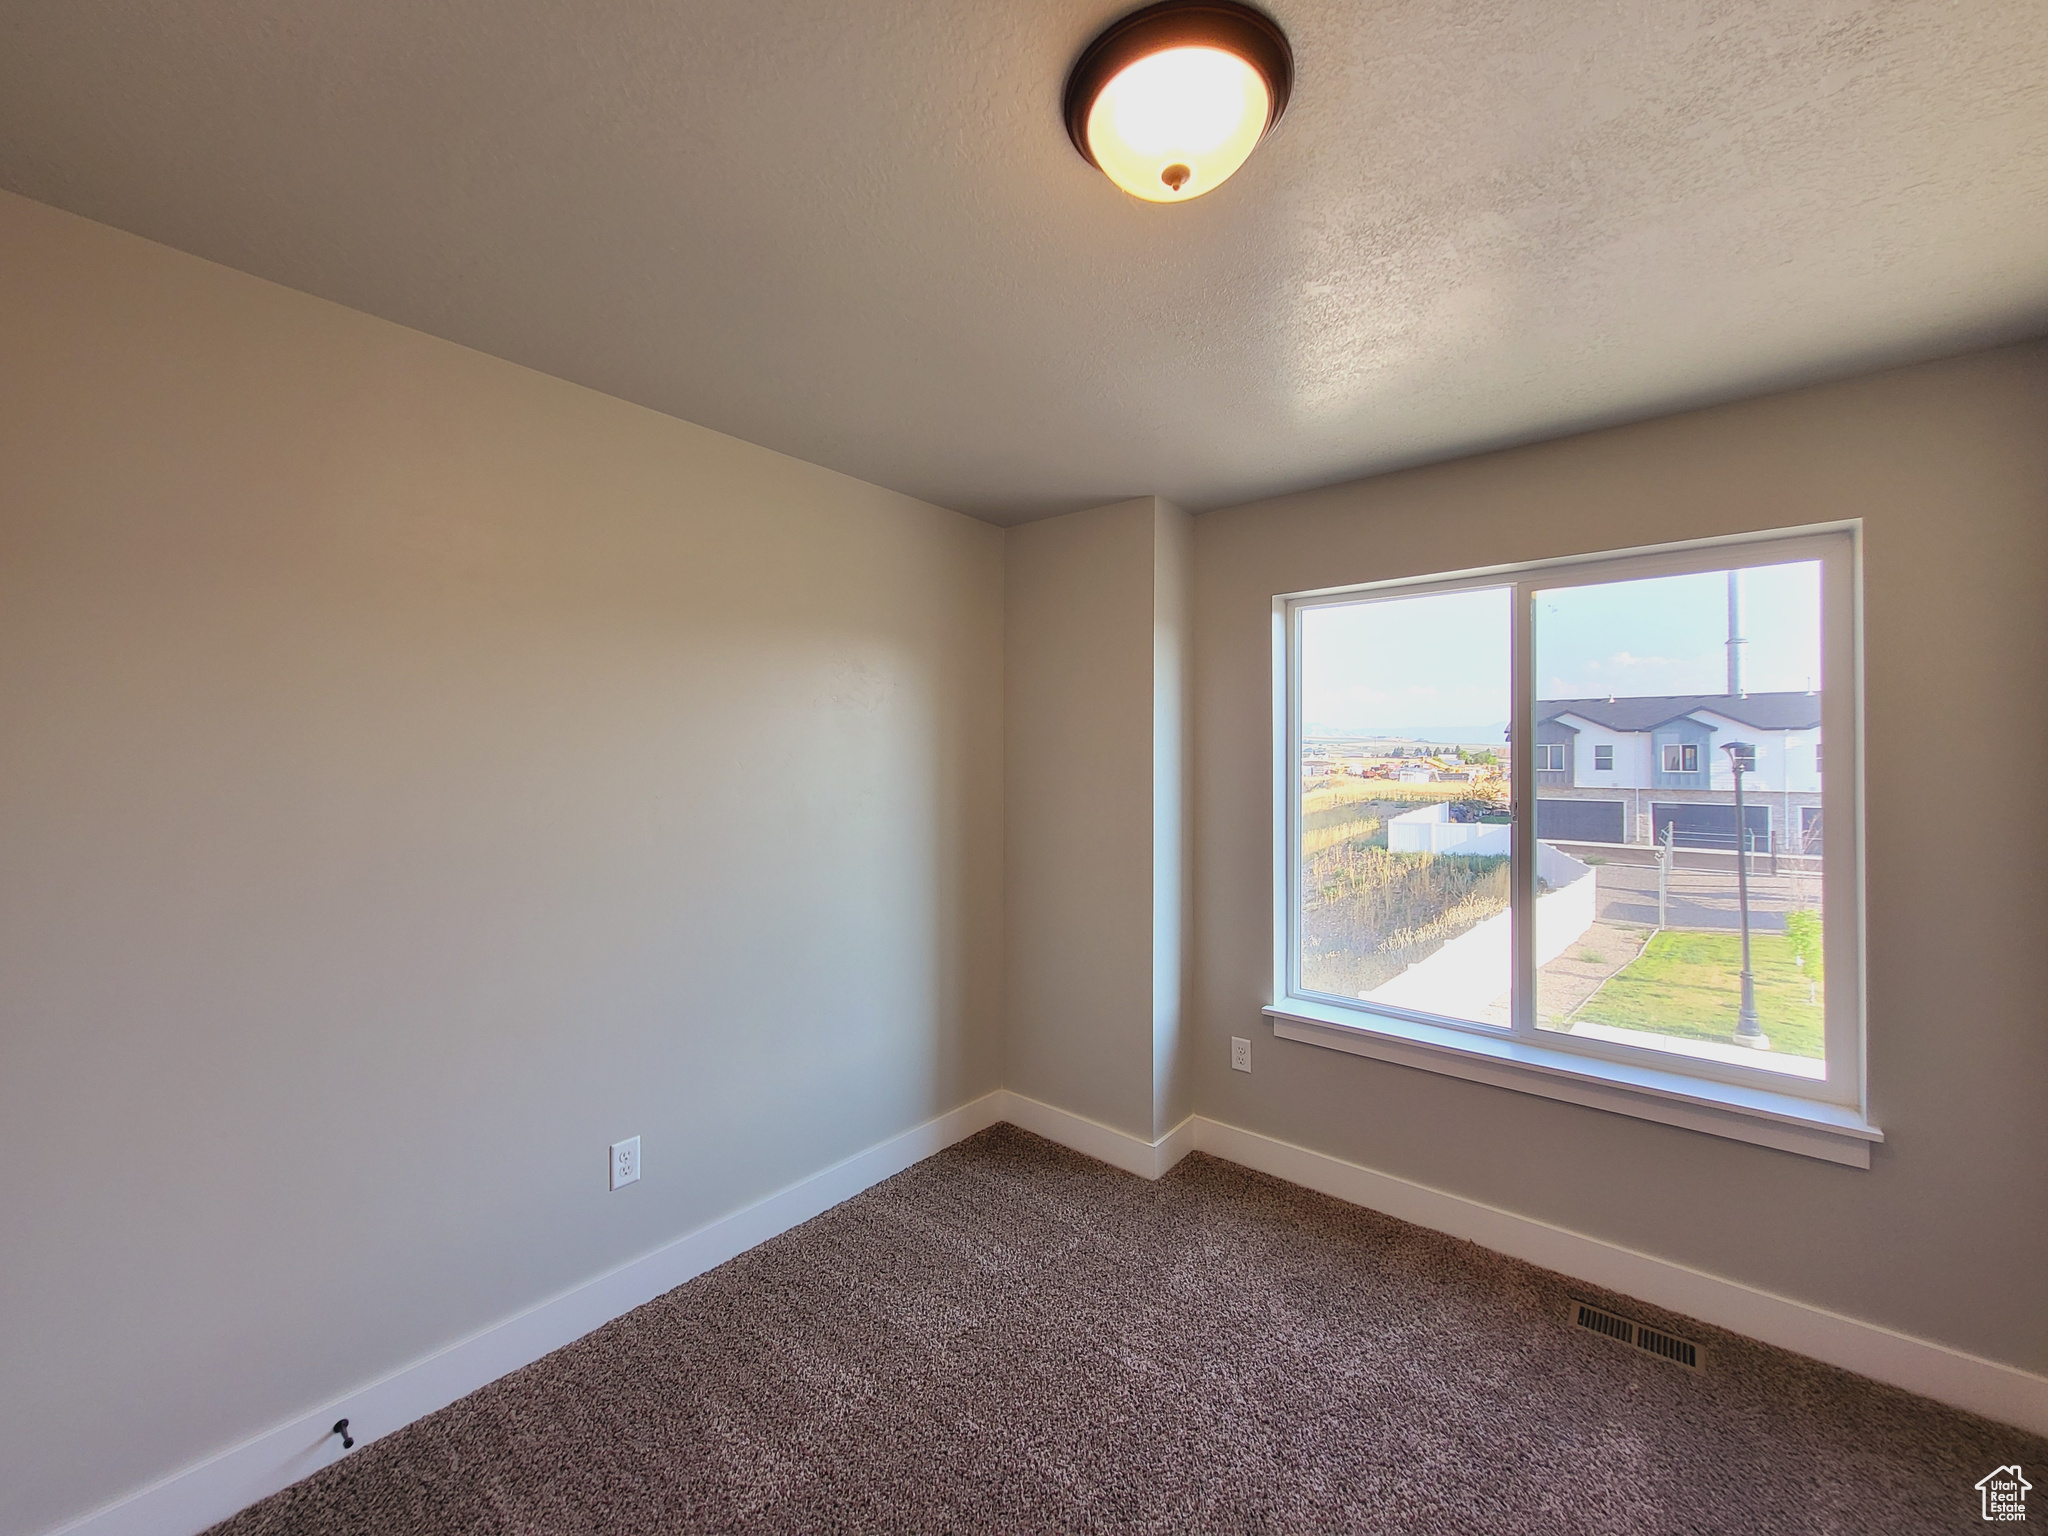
{"x":1240,"y":1054}
{"x":625,"y":1162}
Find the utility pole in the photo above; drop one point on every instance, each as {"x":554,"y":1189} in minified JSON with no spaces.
{"x":1748,"y":1030}
{"x":1738,"y":638}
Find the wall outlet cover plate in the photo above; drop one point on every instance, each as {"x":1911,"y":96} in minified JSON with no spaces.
{"x":625,"y":1162}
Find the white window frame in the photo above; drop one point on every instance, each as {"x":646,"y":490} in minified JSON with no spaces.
{"x":1684,"y":750}
{"x":1826,"y":1118}
{"x":1550,"y":757}
{"x":1603,"y":757}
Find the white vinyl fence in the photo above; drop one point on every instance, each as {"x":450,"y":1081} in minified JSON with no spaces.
{"x":1475,"y":970}
{"x":1431,"y":830}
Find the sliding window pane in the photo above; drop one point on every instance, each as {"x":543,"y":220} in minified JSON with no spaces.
{"x":1403,"y":870}
{"x":1678,"y":785}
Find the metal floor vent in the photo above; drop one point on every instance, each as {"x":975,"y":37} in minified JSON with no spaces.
{"x":1652,"y":1341}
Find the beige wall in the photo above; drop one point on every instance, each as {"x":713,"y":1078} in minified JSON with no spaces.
{"x":1947,"y":464}
{"x":1095,"y":658}
{"x":418,"y":773}
{"x":1173,"y":866}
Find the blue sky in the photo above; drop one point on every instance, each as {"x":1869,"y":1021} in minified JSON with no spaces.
{"x":1670,"y":635}
{"x":1408,"y":663}
{"x":1440,"y":663}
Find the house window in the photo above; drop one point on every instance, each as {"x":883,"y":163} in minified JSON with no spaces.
{"x":1424,"y":923}
{"x":1816,"y":757}
{"x":1744,"y":754}
{"x":1681,"y":757}
{"x":1385,"y":872}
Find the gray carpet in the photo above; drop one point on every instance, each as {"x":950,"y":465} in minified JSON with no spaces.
{"x":1012,"y":1338}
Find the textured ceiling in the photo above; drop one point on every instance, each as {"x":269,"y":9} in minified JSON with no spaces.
{"x":856,"y":232}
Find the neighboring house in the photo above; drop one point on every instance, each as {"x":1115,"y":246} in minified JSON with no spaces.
{"x":1621,"y":770}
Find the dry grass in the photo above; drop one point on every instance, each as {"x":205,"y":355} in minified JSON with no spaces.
{"x":1356,"y":828}
{"x":1367,"y":914}
{"x":1338,"y":790}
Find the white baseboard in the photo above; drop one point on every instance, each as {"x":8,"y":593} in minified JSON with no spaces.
{"x":211,"y":1490}
{"x":196,"y":1497}
{"x":2000,"y":1392}
{"x":1120,"y":1149}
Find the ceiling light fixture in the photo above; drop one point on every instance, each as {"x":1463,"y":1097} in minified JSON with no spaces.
{"x":1170,"y":100}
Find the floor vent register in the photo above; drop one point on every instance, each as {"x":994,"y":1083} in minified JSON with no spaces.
{"x":1651,"y":1341}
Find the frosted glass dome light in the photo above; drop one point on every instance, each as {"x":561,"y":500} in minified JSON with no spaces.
{"x":1171,"y":100}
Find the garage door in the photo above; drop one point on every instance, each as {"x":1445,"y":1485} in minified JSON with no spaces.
{"x":1711,"y":826}
{"x":1581,"y":821}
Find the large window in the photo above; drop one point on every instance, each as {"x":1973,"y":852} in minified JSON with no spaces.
{"x":1675,"y":935}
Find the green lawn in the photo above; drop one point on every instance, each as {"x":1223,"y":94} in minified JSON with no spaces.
{"x":1689,"y":984}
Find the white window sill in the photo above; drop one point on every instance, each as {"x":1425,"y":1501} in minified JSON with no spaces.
{"x":1833,"y":1132}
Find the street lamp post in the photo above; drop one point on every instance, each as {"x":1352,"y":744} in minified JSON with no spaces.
{"x":1748,"y":1031}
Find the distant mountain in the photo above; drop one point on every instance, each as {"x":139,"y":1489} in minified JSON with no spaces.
{"x":1436,"y":735}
